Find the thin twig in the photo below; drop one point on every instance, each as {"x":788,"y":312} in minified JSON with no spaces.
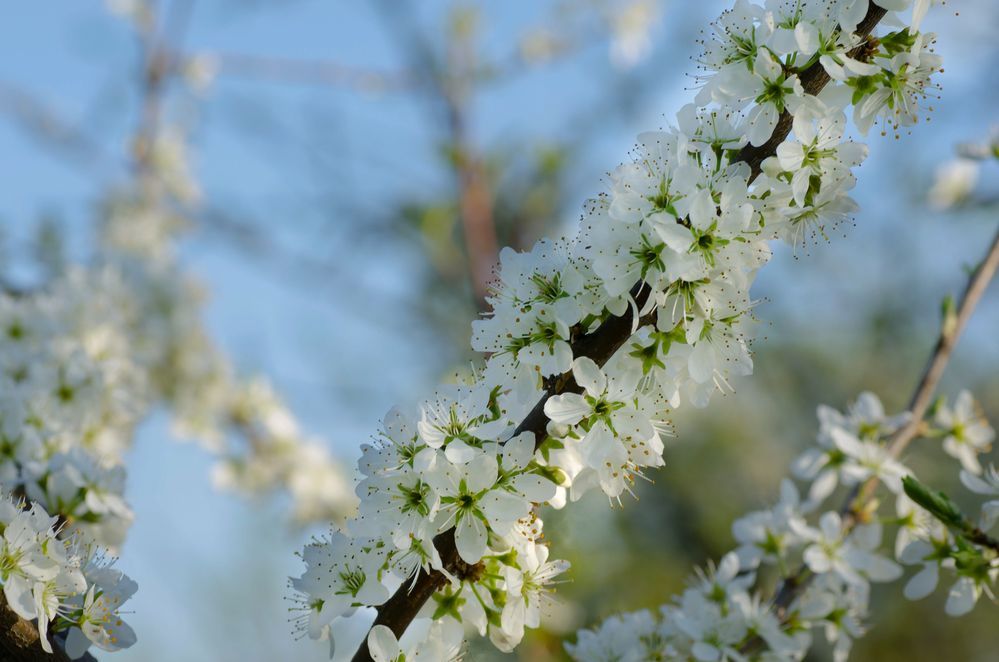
{"x":923,"y":396}
{"x":54,"y":131}
{"x":326,"y":73}
{"x":978,"y":537}
{"x":858,"y":499}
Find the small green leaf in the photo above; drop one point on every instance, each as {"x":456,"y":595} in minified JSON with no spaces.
{"x":937,"y":503}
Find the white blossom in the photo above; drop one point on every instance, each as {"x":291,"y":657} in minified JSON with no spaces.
{"x":966,"y":432}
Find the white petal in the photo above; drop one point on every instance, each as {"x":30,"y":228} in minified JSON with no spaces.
{"x":702,"y":210}
{"x":589,"y":376}
{"x":728,"y":568}
{"x":789,"y":153}
{"x":969,"y":458}
{"x":799,"y":185}
{"x":501,"y":506}
{"x":916,"y":552}
{"x":17,"y":590}
{"x":705,"y":652}
{"x":382,"y":644}
{"x":568,"y":408}
{"x":470,"y":539}
{"x":76,"y":644}
{"x":847,"y":443}
{"x":922,"y":583}
{"x":676,"y":236}
{"x":990,"y":515}
{"x":816,"y":560}
{"x":481,"y":472}
{"x":701,"y":363}
{"x":808,"y":464}
{"x":852,"y":153}
{"x":513,"y":617}
{"x":534,"y":487}
{"x":518,"y":452}
{"x":823,"y":486}
{"x":851,"y":13}
{"x":861,"y":68}
{"x":977,"y":484}
{"x":880,"y":569}
{"x":458,"y":452}
{"x":765,"y":65}
{"x":831,"y":525}
{"x":761,"y":122}
{"x":962,"y":597}
{"x":807,"y":37}
{"x":893,"y":5}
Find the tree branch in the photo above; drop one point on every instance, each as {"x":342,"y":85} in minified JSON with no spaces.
{"x":19,"y":640}
{"x":405,"y":604}
{"x":982,"y":539}
{"x":54,"y":131}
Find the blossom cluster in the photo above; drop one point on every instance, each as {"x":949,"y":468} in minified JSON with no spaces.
{"x":677,"y":239}
{"x":258,"y":442}
{"x":630,"y":26}
{"x":70,"y":397}
{"x":87,"y":356}
{"x":724,"y":615}
{"x":955,"y":180}
{"x":68,"y":588}
{"x":443,"y":468}
{"x":949,"y":541}
{"x":84,"y":358}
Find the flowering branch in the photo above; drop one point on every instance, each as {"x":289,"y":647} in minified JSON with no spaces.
{"x":605,"y":331}
{"x":719,"y":616}
{"x":953,"y":324}
{"x":19,"y":640}
{"x":398,"y":611}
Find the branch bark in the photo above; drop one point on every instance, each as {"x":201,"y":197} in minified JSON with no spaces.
{"x":405,"y":604}
{"x":20,"y":642}
{"x":983,"y":539}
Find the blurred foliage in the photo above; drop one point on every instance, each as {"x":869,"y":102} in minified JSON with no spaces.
{"x":729,"y":458}
{"x":529,"y":191}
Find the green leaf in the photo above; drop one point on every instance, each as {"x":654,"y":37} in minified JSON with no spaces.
{"x":937,"y":503}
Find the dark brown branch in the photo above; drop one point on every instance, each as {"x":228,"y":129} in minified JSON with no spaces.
{"x":812,"y":80}
{"x":404,"y":605}
{"x":982,"y":539}
{"x":19,"y":640}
